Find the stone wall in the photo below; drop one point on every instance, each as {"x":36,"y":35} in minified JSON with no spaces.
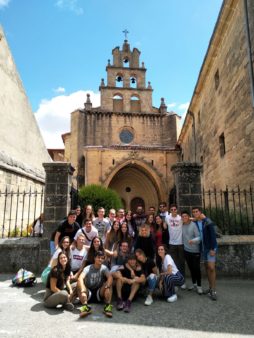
{"x":221,"y":106}
{"x":235,"y":255}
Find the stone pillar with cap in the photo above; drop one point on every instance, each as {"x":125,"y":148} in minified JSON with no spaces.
{"x":88,"y":103}
{"x":188,"y":185}
{"x":163,"y":107}
{"x":57,"y":202}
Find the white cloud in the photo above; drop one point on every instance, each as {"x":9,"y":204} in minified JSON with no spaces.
{"x":4,"y":3}
{"x":53,"y":115}
{"x":184,"y":107}
{"x":71,"y":5}
{"x":171,"y":105}
{"x":59,"y":90}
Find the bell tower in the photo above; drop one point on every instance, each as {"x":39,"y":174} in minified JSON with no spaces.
{"x":126,"y":89}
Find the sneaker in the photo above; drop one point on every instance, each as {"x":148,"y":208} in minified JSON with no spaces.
{"x":192,"y":287}
{"x":85,"y":310}
{"x":183,"y":287}
{"x":199,"y":290}
{"x":149,"y":300}
{"x":119,"y":304}
{"x":108,"y":310}
{"x":172,"y":299}
{"x":127,"y":306}
{"x":69,"y":306}
{"x":213,"y":295}
{"x":207,"y":291}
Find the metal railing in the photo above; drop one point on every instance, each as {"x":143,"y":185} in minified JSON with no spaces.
{"x":231,"y":209}
{"x":18,"y":211}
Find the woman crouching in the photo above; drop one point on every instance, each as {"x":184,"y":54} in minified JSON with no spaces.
{"x":57,"y":283}
{"x":170,"y":276}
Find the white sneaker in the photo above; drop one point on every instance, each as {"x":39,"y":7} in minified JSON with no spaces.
{"x":149,"y":300}
{"x":192,"y":286}
{"x":172,"y":299}
{"x":183,"y":287}
{"x":199,"y":290}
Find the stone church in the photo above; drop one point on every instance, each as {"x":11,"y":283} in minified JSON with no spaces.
{"x":126,"y":143}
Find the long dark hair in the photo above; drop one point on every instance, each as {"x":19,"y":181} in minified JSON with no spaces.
{"x":158,"y":258}
{"x":125,"y":237}
{"x":92,"y":251}
{"x":66,"y":251}
{"x":62,"y":274}
{"x":112,"y":235}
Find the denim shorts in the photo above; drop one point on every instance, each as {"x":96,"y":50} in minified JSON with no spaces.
{"x":208,"y":258}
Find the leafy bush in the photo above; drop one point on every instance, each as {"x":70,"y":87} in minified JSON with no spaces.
{"x":99,"y":196}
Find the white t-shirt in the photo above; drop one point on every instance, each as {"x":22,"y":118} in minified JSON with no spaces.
{"x":169,"y":261}
{"x":90,"y":235}
{"x":175,"y":229}
{"x":77,"y":258}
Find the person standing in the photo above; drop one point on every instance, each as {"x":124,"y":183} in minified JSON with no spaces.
{"x":209,"y":248}
{"x":68,"y":227}
{"x":191,"y":243}
{"x":101,"y":224}
{"x":175,"y":231}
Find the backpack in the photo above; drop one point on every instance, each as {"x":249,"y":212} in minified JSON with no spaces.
{"x":24,"y":278}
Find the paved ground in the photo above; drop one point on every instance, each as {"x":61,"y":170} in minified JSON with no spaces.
{"x":23,"y":315}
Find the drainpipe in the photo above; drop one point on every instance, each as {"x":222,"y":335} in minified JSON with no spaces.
{"x":194,"y":134}
{"x":249,"y":48}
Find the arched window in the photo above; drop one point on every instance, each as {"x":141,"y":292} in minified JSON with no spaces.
{"x":133,"y":81}
{"x":136,"y":202}
{"x":126,"y":62}
{"x":135,"y":103}
{"x":117,"y":103}
{"x":119,"y":80}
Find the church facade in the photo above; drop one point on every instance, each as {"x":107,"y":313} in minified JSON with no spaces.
{"x":126,"y":143}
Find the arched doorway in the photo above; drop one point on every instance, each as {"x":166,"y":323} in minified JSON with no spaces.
{"x":135,"y":185}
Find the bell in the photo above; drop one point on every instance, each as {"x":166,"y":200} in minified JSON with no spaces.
{"x":119,"y":79}
{"x":133,"y":80}
{"x":126,"y":60}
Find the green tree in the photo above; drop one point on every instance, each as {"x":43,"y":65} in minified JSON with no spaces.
{"x":99,"y":196}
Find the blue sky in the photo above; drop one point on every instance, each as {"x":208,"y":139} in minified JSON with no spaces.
{"x":61,"y":48}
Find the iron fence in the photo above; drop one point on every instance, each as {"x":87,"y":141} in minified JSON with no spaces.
{"x":231,"y":209}
{"x":18,"y":211}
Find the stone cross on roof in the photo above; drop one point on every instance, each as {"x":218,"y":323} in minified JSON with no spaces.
{"x":125,"y":33}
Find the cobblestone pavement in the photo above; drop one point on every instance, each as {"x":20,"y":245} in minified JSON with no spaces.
{"x":23,"y":315}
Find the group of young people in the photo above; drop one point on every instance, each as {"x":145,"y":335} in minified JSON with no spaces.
{"x":125,"y":252}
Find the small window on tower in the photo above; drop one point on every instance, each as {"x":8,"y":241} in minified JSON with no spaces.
{"x":133,"y":82}
{"x":222,"y":145}
{"x":126,"y":62}
{"x":217,"y":79}
{"x":119,"y":80}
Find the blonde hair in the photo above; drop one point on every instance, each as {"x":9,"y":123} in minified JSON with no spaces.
{"x":147,"y":229}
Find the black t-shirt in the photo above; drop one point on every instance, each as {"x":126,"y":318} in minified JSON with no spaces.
{"x":148,"y":266}
{"x":127,"y":274}
{"x":60,"y":276}
{"x":67,"y":229}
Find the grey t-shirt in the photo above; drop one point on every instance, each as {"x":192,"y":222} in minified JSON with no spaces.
{"x":94,"y":278}
{"x":191,"y":232}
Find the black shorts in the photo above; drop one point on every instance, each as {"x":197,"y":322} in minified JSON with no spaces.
{"x":94,"y":295}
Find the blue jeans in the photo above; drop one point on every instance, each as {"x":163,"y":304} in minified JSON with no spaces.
{"x":52,"y":247}
{"x":152,"y":280}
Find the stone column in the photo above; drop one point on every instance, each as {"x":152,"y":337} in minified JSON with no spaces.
{"x":57,"y":201}
{"x":188,"y":185}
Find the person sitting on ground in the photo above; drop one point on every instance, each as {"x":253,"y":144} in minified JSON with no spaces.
{"x":169,"y":276}
{"x":151,"y":273}
{"x":101,"y":224}
{"x":112,"y":236}
{"x":145,"y":242}
{"x":78,"y":256}
{"x":119,"y":258}
{"x":191,"y":243}
{"x":129,"y":283}
{"x":68,"y":227}
{"x":88,"y":230}
{"x":58,"y":279}
{"x":95,"y":285}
